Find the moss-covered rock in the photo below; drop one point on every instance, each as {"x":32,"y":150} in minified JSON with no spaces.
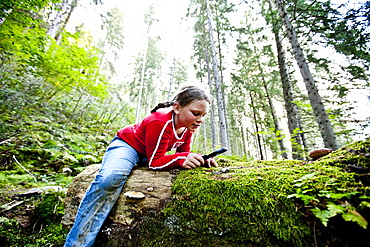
{"x":269,"y":203}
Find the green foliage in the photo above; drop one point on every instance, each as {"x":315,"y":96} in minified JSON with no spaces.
{"x":48,"y":147}
{"x":69,"y":66}
{"x":340,"y":194}
{"x":350,"y":35}
{"x":333,"y":195}
{"x":346,"y":212}
{"x":9,"y":229}
{"x":53,"y":235}
{"x":13,"y":178}
{"x":50,"y":210}
{"x":53,"y":110}
{"x":44,"y":227}
{"x":342,"y":26}
{"x":54,"y":115}
{"x":37,"y":64}
{"x":23,"y":11}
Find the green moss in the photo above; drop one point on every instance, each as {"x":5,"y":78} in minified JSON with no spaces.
{"x":356,"y":154}
{"x":248,"y":204}
{"x":9,"y":229}
{"x":50,"y":210}
{"x":263,"y":203}
{"x":52,"y":235}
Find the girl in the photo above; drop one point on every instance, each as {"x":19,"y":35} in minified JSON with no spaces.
{"x":161,"y":131}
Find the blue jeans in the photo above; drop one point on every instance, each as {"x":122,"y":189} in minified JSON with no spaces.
{"x":100,"y":197}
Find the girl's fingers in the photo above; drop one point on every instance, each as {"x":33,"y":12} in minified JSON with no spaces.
{"x":192,"y":161}
{"x":195,"y":160}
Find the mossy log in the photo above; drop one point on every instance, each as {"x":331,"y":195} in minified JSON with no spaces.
{"x":261,"y":203}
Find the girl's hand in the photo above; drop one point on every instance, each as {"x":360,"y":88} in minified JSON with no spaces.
{"x":194,"y":160}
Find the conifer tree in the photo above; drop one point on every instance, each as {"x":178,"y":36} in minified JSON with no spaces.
{"x":321,"y":115}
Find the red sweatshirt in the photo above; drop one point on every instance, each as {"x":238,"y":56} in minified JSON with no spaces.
{"x":154,"y":136}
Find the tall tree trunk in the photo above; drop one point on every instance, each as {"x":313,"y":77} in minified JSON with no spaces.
{"x":138,"y":105}
{"x":149,"y":20}
{"x":103,"y":60}
{"x":73,"y":112}
{"x":290,"y":107}
{"x":204,"y":137}
{"x":241,"y":126}
{"x":54,"y":27}
{"x":322,"y":118}
{"x":255,"y":118}
{"x":213,"y":124}
{"x":302,"y":135}
{"x":277,"y":131}
{"x":220,"y":63}
{"x":171,"y":78}
{"x":65,"y":22}
{"x":219,"y":94}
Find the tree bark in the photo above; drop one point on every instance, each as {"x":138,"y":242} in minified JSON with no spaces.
{"x":274,"y":117}
{"x":59,"y":34}
{"x":171,"y":79}
{"x":259,"y":144}
{"x":139,"y":104}
{"x":220,"y":63}
{"x":322,"y":118}
{"x":213,"y":125}
{"x":219,"y":95}
{"x":241,"y":126}
{"x":290,"y":107}
{"x":54,"y":27}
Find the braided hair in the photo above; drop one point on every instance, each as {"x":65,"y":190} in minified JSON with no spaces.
{"x":186,"y":95}
{"x":162,"y":105}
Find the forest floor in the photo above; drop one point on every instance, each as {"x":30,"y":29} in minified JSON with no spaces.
{"x":32,"y":218}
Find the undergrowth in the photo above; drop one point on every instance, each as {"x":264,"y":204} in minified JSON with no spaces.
{"x":35,"y":222}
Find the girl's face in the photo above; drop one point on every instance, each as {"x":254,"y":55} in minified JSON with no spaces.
{"x":190,"y":116}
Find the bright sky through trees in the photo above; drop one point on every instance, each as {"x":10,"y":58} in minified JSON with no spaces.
{"x":176,"y":35}
{"x":175,"y":32}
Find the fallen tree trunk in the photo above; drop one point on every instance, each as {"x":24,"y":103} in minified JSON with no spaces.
{"x":263,"y":203}
{"x":155,"y":185}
